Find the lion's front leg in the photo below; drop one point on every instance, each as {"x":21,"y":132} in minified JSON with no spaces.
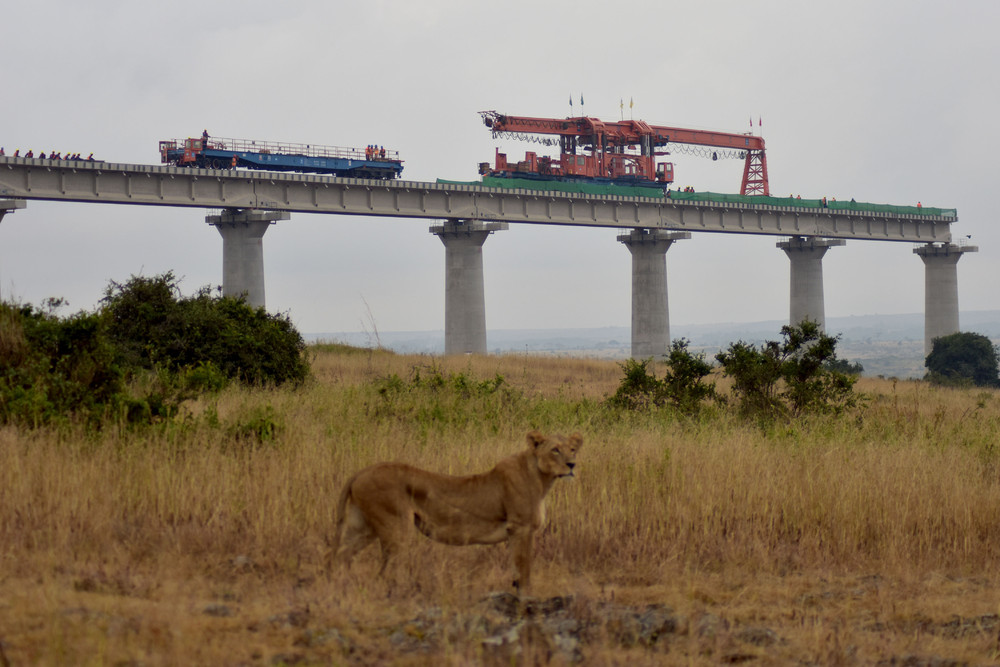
{"x":521,"y":546}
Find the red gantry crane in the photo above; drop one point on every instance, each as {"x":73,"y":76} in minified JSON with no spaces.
{"x":623,"y":152}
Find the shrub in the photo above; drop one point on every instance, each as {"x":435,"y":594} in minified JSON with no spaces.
{"x":153,"y":325}
{"x":683,"y":382}
{"x":682,"y":385}
{"x":963,"y":358}
{"x":844,"y":366}
{"x":259,"y":429}
{"x":639,"y":388}
{"x":166,"y":347}
{"x":51,"y":367}
{"x":789,"y":377}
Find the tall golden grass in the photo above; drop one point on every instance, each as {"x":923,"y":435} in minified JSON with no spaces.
{"x":115,"y":545}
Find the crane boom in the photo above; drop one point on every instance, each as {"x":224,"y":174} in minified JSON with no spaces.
{"x":622,"y":149}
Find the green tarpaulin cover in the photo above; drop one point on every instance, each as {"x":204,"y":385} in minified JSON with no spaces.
{"x":658,"y":193}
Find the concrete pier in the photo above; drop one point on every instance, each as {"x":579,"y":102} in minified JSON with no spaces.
{"x":806,"y":278}
{"x":9,"y":206}
{"x":940,"y":289}
{"x":650,"y":309}
{"x":464,"y":290}
{"x":242,"y":233}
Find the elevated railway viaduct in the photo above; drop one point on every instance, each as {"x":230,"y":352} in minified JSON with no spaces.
{"x":465,"y":215}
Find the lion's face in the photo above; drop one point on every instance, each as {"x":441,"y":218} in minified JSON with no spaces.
{"x":556,"y":453}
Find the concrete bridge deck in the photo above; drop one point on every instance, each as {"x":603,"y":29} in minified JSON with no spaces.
{"x":85,"y":181}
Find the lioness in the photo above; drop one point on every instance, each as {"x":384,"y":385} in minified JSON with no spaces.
{"x":506,"y":503}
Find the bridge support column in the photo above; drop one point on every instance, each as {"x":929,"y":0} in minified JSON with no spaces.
{"x":242,"y":233}
{"x":650,"y":312}
{"x":9,"y":206}
{"x":464,"y":290}
{"x":806,"y":292}
{"x":940,"y":289}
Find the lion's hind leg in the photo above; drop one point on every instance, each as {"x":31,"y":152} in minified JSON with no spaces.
{"x":357,"y":534}
{"x":393,"y":531}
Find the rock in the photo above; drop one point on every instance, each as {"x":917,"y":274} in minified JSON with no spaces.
{"x":657,"y":620}
{"x":960,"y":627}
{"x":219,"y":610}
{"x":762,"y":637}
{"x":710,"y":625}
{"x":548,"y":606}
{"x":920,"y":661}
{"x":529,"y":630}
{"x":523,"y":643}
{"x":321,"y":637}
{"x":296,"y":618}
{"x":503,"y":603}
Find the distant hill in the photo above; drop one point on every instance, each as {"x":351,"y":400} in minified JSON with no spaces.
{"x":888,"y":345}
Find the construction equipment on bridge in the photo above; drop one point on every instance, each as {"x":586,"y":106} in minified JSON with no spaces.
{"x":620,"y":153}
{"x":215,"y":153}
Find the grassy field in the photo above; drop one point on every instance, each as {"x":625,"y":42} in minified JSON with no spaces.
{"x":869,"y":538}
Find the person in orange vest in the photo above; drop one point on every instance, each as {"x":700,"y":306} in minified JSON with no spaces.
{"x":919,"y":205}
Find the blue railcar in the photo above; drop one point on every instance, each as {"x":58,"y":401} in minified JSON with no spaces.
{"x":216,"y":153}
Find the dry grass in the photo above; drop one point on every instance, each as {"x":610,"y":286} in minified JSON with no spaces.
{"x":852,"y":540}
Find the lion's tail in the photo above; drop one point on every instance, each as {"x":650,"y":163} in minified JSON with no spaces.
{"x":341,"y":515}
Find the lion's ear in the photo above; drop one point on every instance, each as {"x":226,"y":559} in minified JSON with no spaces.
{"x":576,"y":439}
{"x":535,"y":438}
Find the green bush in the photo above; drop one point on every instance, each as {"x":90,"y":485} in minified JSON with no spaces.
{"x":639,"y":387}
{"x":844,"y":366}
{"x":153,"y":325}
{"x":963,"y":358}
{"x":790,"y":377}
{"x":143,"y":352}
{"x":259,"y":429}
{"x":52,"y":367}
{"x":682,"y":385}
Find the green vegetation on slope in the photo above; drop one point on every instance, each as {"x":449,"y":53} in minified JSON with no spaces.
{"x":146,"y":349}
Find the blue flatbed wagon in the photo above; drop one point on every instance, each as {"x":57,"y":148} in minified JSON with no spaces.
{"x":217,"y":153}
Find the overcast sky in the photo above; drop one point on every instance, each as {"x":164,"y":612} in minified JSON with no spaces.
{"x":884,"y":101}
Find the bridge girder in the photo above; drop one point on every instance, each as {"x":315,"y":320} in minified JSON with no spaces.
{"x":100,"y":182}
